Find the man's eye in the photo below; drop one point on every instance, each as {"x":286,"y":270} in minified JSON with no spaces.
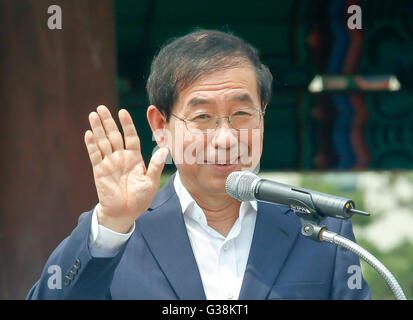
{"x":201,"y":117}
{"x":241,"y":113}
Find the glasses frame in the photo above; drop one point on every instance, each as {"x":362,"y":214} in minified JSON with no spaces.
{"x":184,"y":119}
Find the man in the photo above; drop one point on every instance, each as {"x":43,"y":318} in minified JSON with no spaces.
{"x":208,"y":93}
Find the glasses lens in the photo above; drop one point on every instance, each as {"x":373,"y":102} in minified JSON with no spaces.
{"x":201,"y":121}
{"x":245,"y":119}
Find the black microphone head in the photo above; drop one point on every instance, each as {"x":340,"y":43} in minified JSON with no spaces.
{"x":241,"y":185}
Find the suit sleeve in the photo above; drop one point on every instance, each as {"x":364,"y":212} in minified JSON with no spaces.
{"x":71,"y":272}
{"x":348,"y":282}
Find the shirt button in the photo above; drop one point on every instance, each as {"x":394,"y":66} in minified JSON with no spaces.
{"x":225,"y":247}
{"x":230,"y":296}
{"x":198,"y":215}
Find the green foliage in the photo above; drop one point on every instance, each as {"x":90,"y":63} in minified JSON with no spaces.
{"x":164,"y":179}
{"x":398,"y":261}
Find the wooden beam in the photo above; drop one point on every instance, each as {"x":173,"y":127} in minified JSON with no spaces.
{"x":50,"y":81}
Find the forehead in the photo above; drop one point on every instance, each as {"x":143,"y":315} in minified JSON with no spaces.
{"x":220,"y":88}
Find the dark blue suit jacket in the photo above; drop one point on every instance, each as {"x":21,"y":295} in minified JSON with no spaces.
{"x":157,"y":262}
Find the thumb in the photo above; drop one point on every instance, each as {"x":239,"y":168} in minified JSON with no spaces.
{"x":157,"y":164}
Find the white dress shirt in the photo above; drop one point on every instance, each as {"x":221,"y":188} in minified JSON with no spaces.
{"x":221,"y":260}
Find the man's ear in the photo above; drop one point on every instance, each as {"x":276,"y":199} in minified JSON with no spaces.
{"x":157,"y":122}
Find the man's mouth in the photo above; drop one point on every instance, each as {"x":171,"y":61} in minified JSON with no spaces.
{"x":224,"y":163}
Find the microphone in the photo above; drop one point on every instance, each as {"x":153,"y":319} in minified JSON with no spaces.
{"x":246,"y":186}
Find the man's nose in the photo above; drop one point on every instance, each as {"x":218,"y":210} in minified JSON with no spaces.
{"x":225,"y":136}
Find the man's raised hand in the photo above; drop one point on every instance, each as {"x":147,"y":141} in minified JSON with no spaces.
{"x":124,"y":186}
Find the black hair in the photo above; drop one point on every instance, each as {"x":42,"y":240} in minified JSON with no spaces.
{"x":183,"y":60}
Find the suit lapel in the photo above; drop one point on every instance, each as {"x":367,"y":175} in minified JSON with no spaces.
{"x":164,"y":230}
{"x":274,"y":235}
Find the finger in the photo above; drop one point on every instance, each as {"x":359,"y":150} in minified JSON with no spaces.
{"x":132,"y":141}
{"x":157,"y":164}
{"x":110,"y":127}
{"x":94,"y":153}
{"x":99,"y":134}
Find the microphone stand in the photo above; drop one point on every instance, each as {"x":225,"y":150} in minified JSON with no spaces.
{"x":311,"y":228}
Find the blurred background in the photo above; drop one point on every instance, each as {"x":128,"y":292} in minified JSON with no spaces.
{"x":340,"y":120}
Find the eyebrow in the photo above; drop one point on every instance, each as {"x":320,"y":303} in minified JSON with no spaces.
{"x":196,"y":101}
{"x":244,"y":97}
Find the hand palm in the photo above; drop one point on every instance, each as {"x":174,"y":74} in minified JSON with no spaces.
{"x":125,"y":188}
{"x":121,"y":183}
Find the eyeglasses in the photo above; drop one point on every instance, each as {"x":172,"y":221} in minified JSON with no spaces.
{"x":207,"y":122}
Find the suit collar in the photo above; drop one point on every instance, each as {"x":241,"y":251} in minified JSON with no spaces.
{"x":276,"y":230}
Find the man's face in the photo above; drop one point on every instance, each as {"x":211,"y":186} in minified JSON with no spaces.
{"x":205,"y":160}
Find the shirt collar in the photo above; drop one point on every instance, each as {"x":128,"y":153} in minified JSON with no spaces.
{"x":186,"y":199}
